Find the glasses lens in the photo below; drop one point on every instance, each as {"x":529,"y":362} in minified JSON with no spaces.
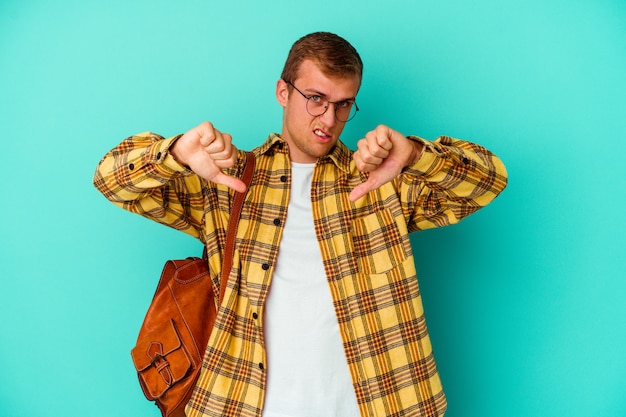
{"x":316,"y":106}
{"x":345,"y":113}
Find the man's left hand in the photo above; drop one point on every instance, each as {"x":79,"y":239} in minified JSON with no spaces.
{"x":384,"y":153}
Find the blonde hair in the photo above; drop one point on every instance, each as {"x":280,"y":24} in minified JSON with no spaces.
{"x":333,"y":54}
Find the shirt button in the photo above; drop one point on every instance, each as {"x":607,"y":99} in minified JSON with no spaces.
{"x":158,"y":156}
{"x":255,"y":316}
{"x":465,"y":160}
{"x":265,"y":267}
{"x":283,"y":178}
{"x":131,"y":166}
{"x":277,"y":222}
{"x":261,"y":367}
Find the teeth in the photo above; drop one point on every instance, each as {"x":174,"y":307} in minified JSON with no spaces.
{"x":319,"y":132}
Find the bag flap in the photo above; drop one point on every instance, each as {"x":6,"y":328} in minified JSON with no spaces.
{"x":190,"y":269}
{"x":160,"y":360}
{"x":161,"y":341}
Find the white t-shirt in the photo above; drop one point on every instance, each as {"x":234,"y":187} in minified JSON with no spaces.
{"x":307,"y":372}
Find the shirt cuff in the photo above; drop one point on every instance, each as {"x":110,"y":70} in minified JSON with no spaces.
{"x":163,"y":160}
{"x":429,"y":161}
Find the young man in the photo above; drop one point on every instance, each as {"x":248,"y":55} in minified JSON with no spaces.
{"x":322,"y":315}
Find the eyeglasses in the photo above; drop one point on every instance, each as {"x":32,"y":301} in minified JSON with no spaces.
{"x":317,"y":105}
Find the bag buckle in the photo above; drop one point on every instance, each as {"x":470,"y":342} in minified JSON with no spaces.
{"x":158,"y":360}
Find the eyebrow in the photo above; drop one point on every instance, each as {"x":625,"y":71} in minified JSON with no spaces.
{"x":314,"y":92}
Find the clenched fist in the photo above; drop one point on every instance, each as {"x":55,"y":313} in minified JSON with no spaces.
{"x":206,"y":151}
{"x":384,"y":153}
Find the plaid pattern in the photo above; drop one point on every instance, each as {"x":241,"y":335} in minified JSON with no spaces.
{"x":365,"y":247}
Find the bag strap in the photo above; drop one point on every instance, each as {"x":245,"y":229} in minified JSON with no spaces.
{"x":235,"y":213}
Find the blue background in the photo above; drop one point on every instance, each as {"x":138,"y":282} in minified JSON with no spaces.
{"x":525,"y":299}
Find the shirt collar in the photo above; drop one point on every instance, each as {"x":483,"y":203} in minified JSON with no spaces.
{"x":340,"y":155}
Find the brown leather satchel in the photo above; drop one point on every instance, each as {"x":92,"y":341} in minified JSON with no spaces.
{"x":175,"y":332}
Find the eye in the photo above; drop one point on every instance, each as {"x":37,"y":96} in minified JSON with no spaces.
{"x":316,"y":99}
{"x":344,"y":104}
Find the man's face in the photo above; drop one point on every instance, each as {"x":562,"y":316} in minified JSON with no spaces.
{"x":311,"y":137}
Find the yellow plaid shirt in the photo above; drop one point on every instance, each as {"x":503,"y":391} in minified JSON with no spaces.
{"x":364,"y":245}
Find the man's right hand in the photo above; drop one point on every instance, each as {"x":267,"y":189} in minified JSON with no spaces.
{"x":206,"y":151}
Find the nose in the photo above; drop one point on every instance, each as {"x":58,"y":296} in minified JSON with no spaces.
{"x":328,"y":118}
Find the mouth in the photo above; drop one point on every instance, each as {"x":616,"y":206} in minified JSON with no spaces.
{"x":322,"y":135}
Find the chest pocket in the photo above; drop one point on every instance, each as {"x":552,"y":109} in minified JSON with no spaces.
{"x":378,"y":244}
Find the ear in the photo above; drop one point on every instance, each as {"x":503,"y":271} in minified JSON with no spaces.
{"x":282,"y":92}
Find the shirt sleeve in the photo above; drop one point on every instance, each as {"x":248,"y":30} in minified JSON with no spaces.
{"x":450,"y":180}
{"x":141,"y":176}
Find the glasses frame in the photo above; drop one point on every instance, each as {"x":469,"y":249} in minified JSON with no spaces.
{"x":328,"y":103}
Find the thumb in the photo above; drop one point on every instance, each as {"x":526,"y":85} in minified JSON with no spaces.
{"x":360,"y":190}
{"x":233,"y":183}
